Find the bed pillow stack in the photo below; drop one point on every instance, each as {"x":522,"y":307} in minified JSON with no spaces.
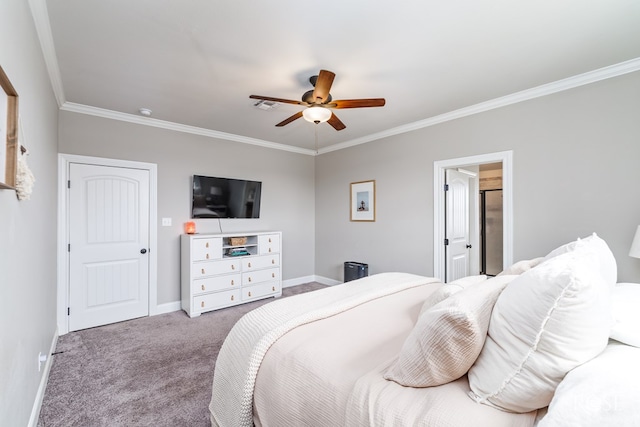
{"x":548,"y":321}
{"x":448,"y":336}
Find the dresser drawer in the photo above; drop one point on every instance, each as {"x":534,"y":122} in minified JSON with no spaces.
{"x":204,"y":269}
{"x":269,"y":243}
{"x":205,"y":249}
{"x":258,"y":262}
{"x":258,"y":276}
{"x":210,"y":284}
{"x":216,"y":300}
{"x":261,"y":290}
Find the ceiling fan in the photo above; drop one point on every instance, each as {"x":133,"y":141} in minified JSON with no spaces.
{"x":319,"y":101}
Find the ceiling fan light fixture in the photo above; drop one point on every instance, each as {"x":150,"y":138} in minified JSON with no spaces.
{"x":316,"y":114}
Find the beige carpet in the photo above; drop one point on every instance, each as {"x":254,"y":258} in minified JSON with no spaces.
{"x":152,"y":371}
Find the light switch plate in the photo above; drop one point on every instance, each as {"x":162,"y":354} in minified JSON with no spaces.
{"x":166,"y":222}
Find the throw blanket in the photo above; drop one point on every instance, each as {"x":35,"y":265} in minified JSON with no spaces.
{"x":249,"y":340}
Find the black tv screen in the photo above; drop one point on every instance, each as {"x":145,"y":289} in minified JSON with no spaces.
{"x":225,"y":198}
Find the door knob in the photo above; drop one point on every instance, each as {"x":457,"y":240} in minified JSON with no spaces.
{"x":143,"y":251}
{"x":468,"y":246}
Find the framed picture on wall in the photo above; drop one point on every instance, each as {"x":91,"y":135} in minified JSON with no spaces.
{"x":8,"y":132}
{"x":363,"y":201}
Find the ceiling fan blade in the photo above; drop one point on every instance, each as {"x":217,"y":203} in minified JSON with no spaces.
{"x":323,"y":86}
{"x":335,"y":122}
{"x":357,"y":103}
{"x":288,"y":120}
{"x":284,"y":101}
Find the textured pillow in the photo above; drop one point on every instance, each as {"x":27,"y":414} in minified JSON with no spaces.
{"x":625,"y":310}
{"x":445,"y":291}
{"x":602,"y":392}
{"x":447,"y":338}
{"x":549,"y":320}
{"x":521,"y":266}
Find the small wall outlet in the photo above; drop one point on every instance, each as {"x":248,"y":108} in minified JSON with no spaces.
{"x":42,"y":358}
{"x":166,"y":222}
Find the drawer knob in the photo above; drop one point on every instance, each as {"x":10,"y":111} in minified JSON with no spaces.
{"x":207,"y":256}
{"x":273,"y":275}
{"x":232,"y":282}
{"x":269,"y":249}
{"x":273,"y":261}
{"x":206,"y":245}
{"x":202,"y":269}
{"x":203,"y":287}
{"x":269,"y":239}
{"x":249,"y":278}
{"x":202,"y":304}
{"x":231,"y":297}
{"x":249,"y":265}
{"x":233,"y":267}
{"x":273,"y":288}
{"x":249,"y":293}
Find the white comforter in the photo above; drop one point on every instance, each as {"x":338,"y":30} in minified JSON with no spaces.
{"x":329,"y":372}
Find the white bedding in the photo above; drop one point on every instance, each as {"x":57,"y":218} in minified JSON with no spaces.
{"x":244,"y":348}
{"x":329,"y":373}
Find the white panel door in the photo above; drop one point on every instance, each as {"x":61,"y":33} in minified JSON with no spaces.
{"x":109,"y":244}
{"x":457,"y":225}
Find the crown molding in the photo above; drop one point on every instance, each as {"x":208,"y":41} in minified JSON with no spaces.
{"x":43,"y":28}
{"x":40,"y":15}
{"x":611,"y":71}
{"x":147,"y":121}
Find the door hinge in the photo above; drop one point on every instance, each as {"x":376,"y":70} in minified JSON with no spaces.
{"x":68,"y":183}
{"x":68,"y":311}
{"x":446,"y":187}
{"x":446,"y":242}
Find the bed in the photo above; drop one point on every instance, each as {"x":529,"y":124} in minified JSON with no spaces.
{"x":356,"y":354}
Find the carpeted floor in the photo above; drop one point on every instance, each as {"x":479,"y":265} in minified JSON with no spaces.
{"x":152,"y":371}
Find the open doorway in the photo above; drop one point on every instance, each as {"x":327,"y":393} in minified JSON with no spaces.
{"x":490,"y":218}
{"x":439,"y":244}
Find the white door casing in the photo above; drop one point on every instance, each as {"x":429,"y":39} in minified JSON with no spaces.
{"x":439,"y":167}
{"x":109,"y":244}
{"x":457,"y":225}
{"x":113,"y":240}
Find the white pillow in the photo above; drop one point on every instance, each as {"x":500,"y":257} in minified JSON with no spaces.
{"x":521,"y":266}
{"x":446,"y":290}
{"x":549,"y":320}
{"x":447,"y":338}
{"x":593,"y":241}
{"x":602,"y":392}
{"x":625,"y":310}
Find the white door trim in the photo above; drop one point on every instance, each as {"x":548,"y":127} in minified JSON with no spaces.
{"x":63,"y":230}
{"x":506,"y":157}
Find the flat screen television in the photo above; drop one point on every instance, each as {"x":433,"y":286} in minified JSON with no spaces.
{"x":214,"y":197}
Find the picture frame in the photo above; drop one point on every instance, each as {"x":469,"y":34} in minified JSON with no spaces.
{"x":363,"y":201}
{"x":9,"y":132}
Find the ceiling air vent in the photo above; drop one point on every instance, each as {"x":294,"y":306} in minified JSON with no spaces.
{"x":266,"y":105}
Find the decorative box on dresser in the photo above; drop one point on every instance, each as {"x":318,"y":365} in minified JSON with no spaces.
{"x":222,"y":270}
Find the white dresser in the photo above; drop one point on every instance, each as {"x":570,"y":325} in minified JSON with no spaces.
{"x":221,"y":270}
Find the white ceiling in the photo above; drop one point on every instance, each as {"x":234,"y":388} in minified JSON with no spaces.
{"x":194,"y":63}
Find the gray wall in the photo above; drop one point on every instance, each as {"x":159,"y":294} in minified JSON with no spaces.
{"x":27,"y":228}
{"x":575,"y":156}
{"x":287,"y":179}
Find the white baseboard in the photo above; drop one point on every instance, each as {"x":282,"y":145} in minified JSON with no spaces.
{"x":169,"y":307}
{"x":306,"y":279}
{"x":44,"y":379}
